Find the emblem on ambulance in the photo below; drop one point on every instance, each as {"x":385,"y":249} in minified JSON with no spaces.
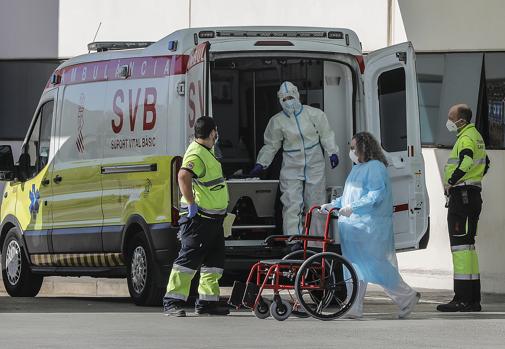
{"x":80,"y":124}
{"x":34,"y":200}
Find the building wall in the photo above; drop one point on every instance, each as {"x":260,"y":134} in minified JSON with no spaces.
{"x":122,"y":20}
{"x":151,"y":20}
{"x":29,"y":29}
{"x":432,"y":267}
{"x":454,"y":24}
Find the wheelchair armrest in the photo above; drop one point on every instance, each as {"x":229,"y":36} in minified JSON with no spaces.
{"x":308,"y":238}
{"x":276,"y":238}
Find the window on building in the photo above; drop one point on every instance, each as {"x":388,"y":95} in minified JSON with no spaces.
{"x":393,"y":109}
{"x":430,"y":76}
{"x":474,"y":78}
{"x":494,"y":96}
{"x":21,"y":83}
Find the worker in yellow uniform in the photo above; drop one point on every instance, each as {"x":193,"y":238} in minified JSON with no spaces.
{"x":203,"y":209}
{"x":465,"y":168}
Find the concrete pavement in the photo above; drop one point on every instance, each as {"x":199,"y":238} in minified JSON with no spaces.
{"x":84,"y":322}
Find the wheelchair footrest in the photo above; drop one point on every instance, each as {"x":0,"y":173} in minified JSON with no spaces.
{"x":251,"y":292}
{"x":237,"y":294}
{"x":243,"y":294}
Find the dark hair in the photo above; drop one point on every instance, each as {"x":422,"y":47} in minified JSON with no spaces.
{"x":204,"y":126}
{"x":369,"y":148}
{"x":464,"y":113}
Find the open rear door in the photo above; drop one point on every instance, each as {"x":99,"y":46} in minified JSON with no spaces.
{"x":392,"y":116}
{"x":196,"y":87}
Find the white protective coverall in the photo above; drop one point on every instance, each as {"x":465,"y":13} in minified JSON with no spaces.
{"x":300,"y":130}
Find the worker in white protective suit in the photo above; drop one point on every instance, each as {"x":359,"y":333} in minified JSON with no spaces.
{"x":365,"y":226}
{"x":301,"y":131}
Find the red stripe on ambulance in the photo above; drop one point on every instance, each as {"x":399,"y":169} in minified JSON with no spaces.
{"x":139,"y":68}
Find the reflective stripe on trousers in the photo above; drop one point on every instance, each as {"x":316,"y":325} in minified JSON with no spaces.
{"x":179,"y":283}
{"x":208,"y":288}
{"x":466,"y":262}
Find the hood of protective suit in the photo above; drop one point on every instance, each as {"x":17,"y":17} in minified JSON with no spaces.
{"x":290,"y":106}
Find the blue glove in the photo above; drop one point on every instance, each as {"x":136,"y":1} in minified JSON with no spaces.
{"x":192,"y":210}
{"x":334,"y":160}
{"x":256,"y":171}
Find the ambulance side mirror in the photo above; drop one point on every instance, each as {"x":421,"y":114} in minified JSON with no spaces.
{"x":7,"y":169}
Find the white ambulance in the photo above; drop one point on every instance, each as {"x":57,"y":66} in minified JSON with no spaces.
{"x":95,"y":191}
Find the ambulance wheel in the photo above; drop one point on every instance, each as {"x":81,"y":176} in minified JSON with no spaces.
{"x":280,"y":310}
{"x":19,"y":281}
{"x":262,"y":310}
{"x":143,"y":273}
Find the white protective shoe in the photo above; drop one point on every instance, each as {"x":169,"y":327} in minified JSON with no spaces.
{"x":405,"y":311}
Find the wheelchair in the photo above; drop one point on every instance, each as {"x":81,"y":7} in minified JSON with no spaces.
{"x":321,"y":285}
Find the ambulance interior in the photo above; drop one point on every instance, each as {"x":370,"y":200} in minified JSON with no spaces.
{"x":244,"y":98}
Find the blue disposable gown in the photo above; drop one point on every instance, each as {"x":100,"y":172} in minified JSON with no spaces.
{"x":367,"y":235}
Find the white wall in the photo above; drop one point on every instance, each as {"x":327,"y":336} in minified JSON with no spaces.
{"x":368,"y":18}
{"x":454,"y":24}
{"x":122,"y":20}
{"x":432,"y":267}
{"x":29,"y":29}
{"x":63,"y":28}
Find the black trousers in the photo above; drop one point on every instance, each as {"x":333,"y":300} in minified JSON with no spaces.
{"x":202,"y":249}
{"x":202,"y":243}
{"x":465,"y":204}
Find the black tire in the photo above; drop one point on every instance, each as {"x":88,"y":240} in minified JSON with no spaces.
{"x":144,"y":274}
{"x":280,"y":309}
{"x":262,"y":310}
{"x":18,"y":279}
{"x":319,"y":303}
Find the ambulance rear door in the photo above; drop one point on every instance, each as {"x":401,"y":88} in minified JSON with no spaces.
{"x":392,"y":116}
{"x":197,"y":81}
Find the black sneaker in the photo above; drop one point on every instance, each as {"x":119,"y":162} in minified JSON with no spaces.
{"x":174,"y":310}
{"x":457,"y":306}
{"x":472,"y":307}
{"x":211,"y":308}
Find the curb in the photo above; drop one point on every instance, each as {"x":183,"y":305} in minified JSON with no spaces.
{"x":81,"y":286}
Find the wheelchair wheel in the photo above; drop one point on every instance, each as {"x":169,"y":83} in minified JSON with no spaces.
{"x":262,"y":310}
{"x":280,"y":309}
{"x":298,"y":254}
{"x":319,"y":289}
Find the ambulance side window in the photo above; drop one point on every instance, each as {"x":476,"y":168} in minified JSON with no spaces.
{"x":393,"y":110}
{"x":36,"y":149}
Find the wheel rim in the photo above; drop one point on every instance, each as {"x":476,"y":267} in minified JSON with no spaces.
{"x":13,"y":262}
{"x":339,"y":275}
{"x":281,"y":309}
{"x":139,"y":269}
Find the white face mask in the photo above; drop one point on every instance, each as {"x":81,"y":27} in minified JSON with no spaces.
{"x":291,"y":106}
{"x":451,"y":126}
{"x":353,"y":156}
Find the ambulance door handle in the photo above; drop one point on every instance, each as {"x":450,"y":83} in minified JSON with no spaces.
{"x":45,"y":182}
{"x":57,"y":179}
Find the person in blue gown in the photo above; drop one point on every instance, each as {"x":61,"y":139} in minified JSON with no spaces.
{"x":366,"y":226}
